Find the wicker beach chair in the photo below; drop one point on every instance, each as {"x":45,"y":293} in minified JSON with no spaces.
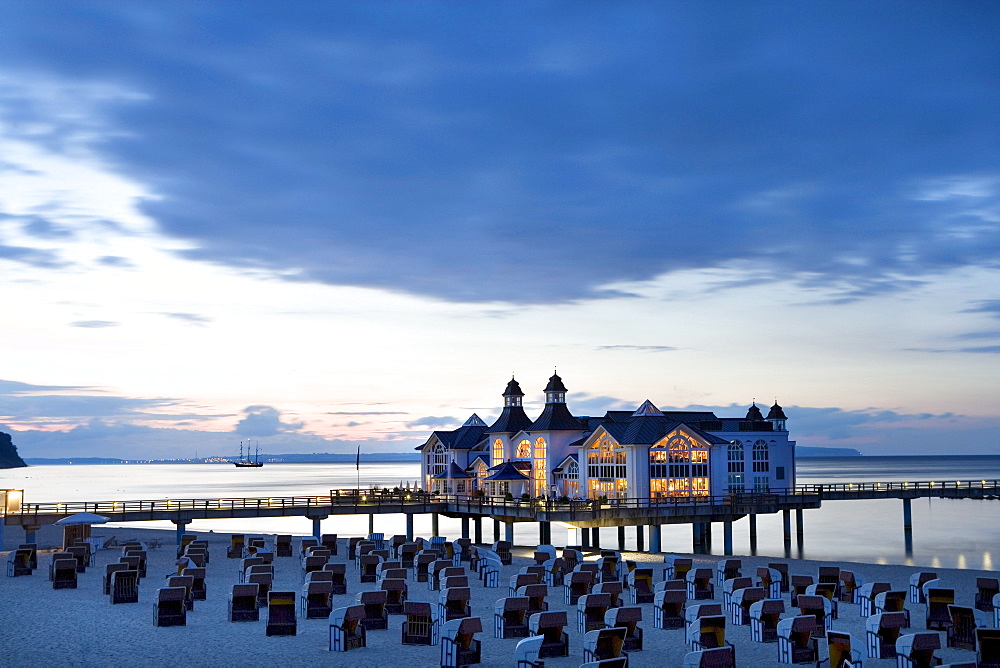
{"x":590,"y":610}
{"x":699,"y":584}
{"x":63,"y":573}
{"x":459,"y":646}
{"x":199,"y":592}
{"x":283,"y":545}
{"x":169,"y":608}
{"x":961,"y":632}
{"x":577,"y":585}
{"x":628,"y":619}
{"x":536,"y":594}
{"x":988,"y":648}
{"x":125,"y":587}
{"x":376,"y":618}
{"x":420,"y":625}
{"x":840,"y":651}
{"x":938,"y":599}
{"x":986,"y":589}
{"x":281,"y":619}
{"x":882,"y":630}
{"x":316,"y":599}
{"x":706,"y":632}
{"x":866,"y":597}
{"x":640,"y":585}
{"x":764,"y":618}
{"x":741,"y":602}
{"x":329,"y":541}
{"x":602,"y":644}
{"x":668,"y":608}
{"x":19,"y":563}
{"x":243,"y":603}
{"x":613,"y":588}
{"x":917,"y":650}
{"x":549,"y":625}
{"x":236,"y":543}
{"x":719,"y":657}
{"x":795,"y":643}
{"x":453,"y":603}
{"x":346,"y":630}
{"x":396,"y":593}
{"x":338,"y":577}
{"x":510,"y":617}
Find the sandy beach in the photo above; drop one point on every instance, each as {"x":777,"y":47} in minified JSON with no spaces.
{"x":80,"y":627}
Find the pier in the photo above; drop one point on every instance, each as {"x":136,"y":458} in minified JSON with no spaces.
{"x":588,"y":515}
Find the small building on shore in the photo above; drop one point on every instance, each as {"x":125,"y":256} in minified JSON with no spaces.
{"x":647,"y":453}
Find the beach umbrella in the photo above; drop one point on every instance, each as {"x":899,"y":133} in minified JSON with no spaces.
{"x":82,"y":518}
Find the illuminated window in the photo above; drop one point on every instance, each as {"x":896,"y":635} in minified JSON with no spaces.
{"x":497,"y":451}
{"x":760,"y":484}
{"x":678,"y":467}
{"x":523,"y":450}
{"x":606,"y":469}
{"x":569,"y":478}
{"x":736,"y":456}
{"x":538,"y":467}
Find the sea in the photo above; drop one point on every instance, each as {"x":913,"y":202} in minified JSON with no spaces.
{"x":947,"y":533}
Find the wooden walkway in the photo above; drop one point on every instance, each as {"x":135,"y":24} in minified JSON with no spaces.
{"x":581,"y":513}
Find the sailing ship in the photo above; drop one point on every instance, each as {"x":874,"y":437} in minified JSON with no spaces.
{"x":247,"y":462}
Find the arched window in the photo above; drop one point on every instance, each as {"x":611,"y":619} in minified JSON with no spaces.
{"x":736,"y":455}
{"x":538,"y":467}
{"x":523,"y":450}
{"x":760,"y":457}
{"x":678,"y":466}
{"x":497,"y":451}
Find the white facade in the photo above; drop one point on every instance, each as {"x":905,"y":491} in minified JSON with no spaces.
{"x":646,"y":454}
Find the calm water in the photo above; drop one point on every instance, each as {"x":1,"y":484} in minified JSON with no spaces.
{"x":946,"y":533}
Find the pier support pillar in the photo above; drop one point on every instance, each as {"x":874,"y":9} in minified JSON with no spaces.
{"x":752,"y":518}
{"x":496,"y":530}
{"x":465,"y":527}
{"x":585,"y":538}
{"x":786,"y":521}
{"x":508,"y":532}
{"x":595,"y":537}
{"x":544,"y":533}
{"x":181,"y":525}
{"x":697,"y":540}
{"x":621,"y":539}
{"x":477,"y":528}
{"x":316,"y":527}
{"x":434,"y":525}
{"x":907,"y":527}
{"x":727,"y":537}
{"x":409,"y":527}
{"x":655,"y":534}
{"x":799,"y":531}
{"x":640,"y":543}
{"x":30,"y":537}
{"x":371,"y":523}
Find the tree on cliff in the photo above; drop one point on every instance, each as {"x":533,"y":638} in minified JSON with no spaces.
{"x":9,"y":459}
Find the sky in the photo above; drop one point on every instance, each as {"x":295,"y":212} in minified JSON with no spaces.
{"x":316,"y":226}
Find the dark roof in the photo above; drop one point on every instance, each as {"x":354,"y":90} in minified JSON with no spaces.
{"x":555,"y":384}
{"x":512,"y":420}
{"x":556,"y":417}
{"x":479,"y":458}
{"x":506,"y":471}
{"x":776,"y":413}
{"x":513,"y":389}
{"x":753,"y":413}
{"x":453,"y":471}
{"x":464,"y":438}
{"x":648,"y":429}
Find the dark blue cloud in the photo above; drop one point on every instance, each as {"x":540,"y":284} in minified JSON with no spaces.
{"x":532,"y":152}
{"x":262,"y":421}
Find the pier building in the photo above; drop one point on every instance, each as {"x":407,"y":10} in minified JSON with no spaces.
{"x":642,"y":454}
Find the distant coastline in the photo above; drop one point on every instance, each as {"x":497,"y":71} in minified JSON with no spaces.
{"x":299,"y":458}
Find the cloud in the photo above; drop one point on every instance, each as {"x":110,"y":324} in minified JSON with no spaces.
{"x":991,"y":306}
{"x":191,"y":318}
{"x":430,"y":422}
{"x":366,"y":413}
{"x":380,"y":147}
{"x":264,"y":421}
{"x":94,"y":324}
{"x":643,"y":349}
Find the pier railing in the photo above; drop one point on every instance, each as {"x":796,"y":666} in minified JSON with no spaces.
{"x":388,"y":501}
